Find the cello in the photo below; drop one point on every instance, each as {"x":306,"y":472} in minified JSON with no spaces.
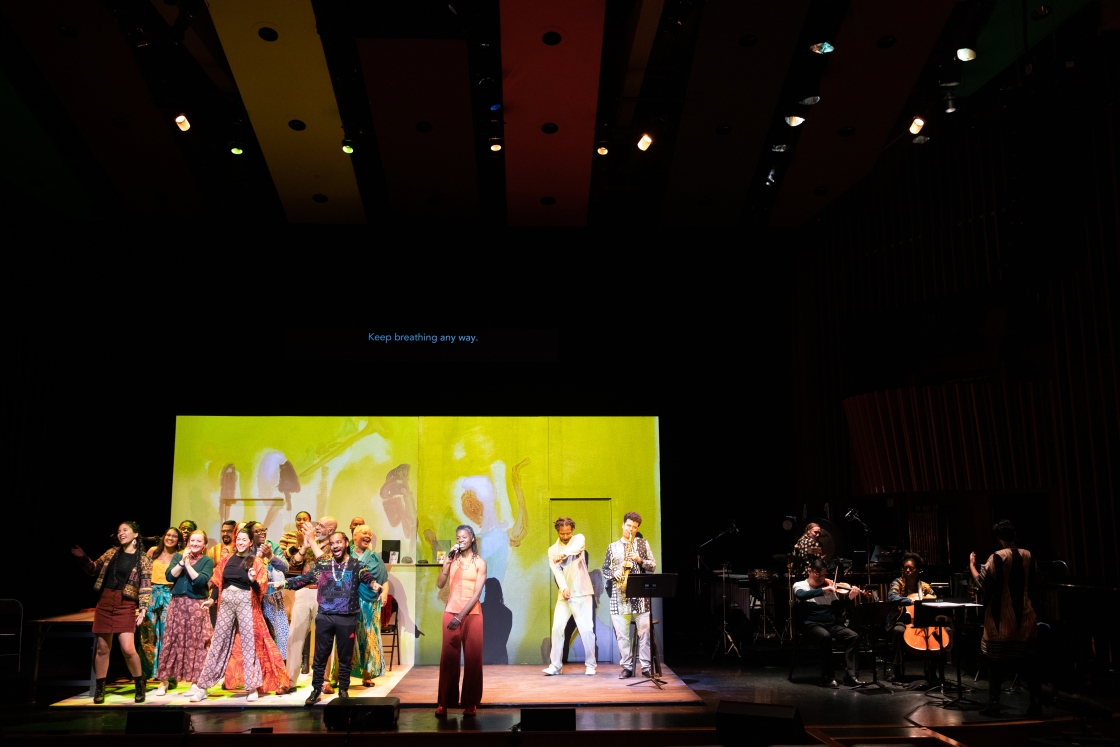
{"x":924,"y":639}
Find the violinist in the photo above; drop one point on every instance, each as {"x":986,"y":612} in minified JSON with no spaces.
{"x":820,"y":608}
{"x":904,"y":591}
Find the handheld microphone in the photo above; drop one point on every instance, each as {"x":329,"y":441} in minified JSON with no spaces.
{"x":455,"y":550}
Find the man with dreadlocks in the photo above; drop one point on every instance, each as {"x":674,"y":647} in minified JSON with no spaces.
{"x":1010,"y":582}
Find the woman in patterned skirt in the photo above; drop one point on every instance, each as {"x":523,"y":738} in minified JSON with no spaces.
{"x":369,"y":659}
{"x":124,"y":577}
{"x":187,"y":631}
{"x":151,"y":631}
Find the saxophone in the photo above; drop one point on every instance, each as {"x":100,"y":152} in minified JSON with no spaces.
{"x":626,"y":565}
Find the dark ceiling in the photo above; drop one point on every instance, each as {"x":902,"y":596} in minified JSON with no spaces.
{"x":479,"y":112}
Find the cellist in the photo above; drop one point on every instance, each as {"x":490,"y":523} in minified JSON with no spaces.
{"x":904,"y":591}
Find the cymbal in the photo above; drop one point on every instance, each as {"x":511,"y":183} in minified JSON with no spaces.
{"x":833,"y":540}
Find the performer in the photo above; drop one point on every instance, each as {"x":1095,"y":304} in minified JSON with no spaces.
{"x":289,"y":544}
{"x":370,"y":661}
{"x":1010,"y":581}
{"x":272,"y":605}
{"x":222,"y":550}
{"x":186,"y":526}
{"x":356,"y":522}
{"x":292,"y":541}
{"x":808,"y":547}
{"x":902,"y":592}
{"x":821,"y":611}
{"x":152,"y":629}
{"x":576,"y":595}
{"x":336,"y":579}
{"x":124,"y":576}
{"x":241,"y":579}
{"x":631,"y":554}
{"x":305,"y":608}
{"x":462,"y":624}
{"x":187,"y":631}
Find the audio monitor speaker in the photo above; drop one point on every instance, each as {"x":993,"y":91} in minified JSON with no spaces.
{"x":361,"y":714}
{"x":157,"y":721}
{"x":548,"y":719}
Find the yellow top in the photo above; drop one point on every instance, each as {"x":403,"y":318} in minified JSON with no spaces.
{"x":159,"y":573}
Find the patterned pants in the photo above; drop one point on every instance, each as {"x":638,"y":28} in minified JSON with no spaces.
{"x":273,"y":608}
{"x":150,"y":632}
{"x":235,"y":607}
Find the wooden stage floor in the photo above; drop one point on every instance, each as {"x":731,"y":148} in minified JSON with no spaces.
{"x":526,"y":685}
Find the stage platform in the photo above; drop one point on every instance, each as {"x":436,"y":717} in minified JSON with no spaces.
{"x":506,"y":685}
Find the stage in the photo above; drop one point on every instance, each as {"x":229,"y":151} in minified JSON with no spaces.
{"x":506,"y":685}
{"x":831,"y":717}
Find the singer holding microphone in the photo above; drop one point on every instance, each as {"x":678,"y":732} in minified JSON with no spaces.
{"x":462,"y":624}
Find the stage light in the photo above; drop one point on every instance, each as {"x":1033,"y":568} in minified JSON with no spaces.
{"x":781,"y":148}
{"x":795,"y":121}
{"x":182,"y":122}
{"x":347,"y":146}
{"x":645,"y":142}
{"x":822,"y":48}
{"x":235,"y":148}
{"x":917,"y":125}
{"x":809,"y":100}
{"x":495,"y":107}
{"x":950,"y":104}
{"x":602,"y":150}
{"x":965,"y":54}
{"x":496,"y":147}
{"x":770,"y":177}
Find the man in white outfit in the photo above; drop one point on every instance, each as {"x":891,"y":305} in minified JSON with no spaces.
{"x":576,"y":597}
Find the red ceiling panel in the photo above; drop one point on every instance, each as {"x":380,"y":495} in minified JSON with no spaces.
{"x":96,"y":78}
{"x":864,"y":87}
{"x":550,"y":83}
{"x":429,"y":174}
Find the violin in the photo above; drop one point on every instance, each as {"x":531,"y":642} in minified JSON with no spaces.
{"x":925,"y":639}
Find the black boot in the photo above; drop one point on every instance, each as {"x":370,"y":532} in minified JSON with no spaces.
{"x":99,"y":691}
{"x":141,"y":686}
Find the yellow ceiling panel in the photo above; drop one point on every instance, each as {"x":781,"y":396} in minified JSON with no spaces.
{"x":283,"y":80}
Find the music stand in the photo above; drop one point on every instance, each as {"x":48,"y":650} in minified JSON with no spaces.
{"x":648,"y":586}
{"x":872,"y":615}
{"x":959,"y":702}
{"x":924,"y":615}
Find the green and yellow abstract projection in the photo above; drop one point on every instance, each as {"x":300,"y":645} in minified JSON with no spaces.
{"x":415,"y":479}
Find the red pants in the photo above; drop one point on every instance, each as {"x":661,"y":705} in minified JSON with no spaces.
{"x":468,"y":638}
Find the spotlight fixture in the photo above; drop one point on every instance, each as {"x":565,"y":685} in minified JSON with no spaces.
{"x":645,"y":142}
{"x":235,"y":148}
{"x":496,"y":147}
{"x":966,"y":54}
{"x":809,"y":100}
{"x":182,"y":123}
{"x":780,"y":148}
{"x":795,"y":121}
{"x":917,"y":125}
{"x":950,"y":104}
{"x":822,"y":48}
{"x":347,"y":146}
{"x":602,"y":150}
{"x":920,"y":139}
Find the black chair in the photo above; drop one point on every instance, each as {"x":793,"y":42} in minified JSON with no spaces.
{"x":798,"y":631}
{"x":391,"y":630}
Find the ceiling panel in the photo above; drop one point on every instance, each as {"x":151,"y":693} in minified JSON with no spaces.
{"x":730,"y":85}
{"x":864,"y":87}
{"x":419,"y":95}
{"x":89,"y":65}
{"x":285,"y":80}
{"x":548,"y":176}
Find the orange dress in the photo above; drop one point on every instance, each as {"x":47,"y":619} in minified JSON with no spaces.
{"x":274,"y":674}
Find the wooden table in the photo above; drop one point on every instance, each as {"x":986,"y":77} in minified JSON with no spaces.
{"x":74,"y":625}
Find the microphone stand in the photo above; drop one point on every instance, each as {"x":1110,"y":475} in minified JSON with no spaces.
{"x":726,"y":642}
{"x":854,"y":516}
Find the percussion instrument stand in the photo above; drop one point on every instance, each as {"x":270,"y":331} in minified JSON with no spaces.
{"x":726,"y":642}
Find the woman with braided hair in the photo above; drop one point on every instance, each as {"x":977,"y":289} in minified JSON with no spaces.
{"x":124,"y":577}
{"x":465,"y":571}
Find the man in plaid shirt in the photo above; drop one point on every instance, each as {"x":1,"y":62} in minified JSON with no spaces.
{"x":623,"y":611}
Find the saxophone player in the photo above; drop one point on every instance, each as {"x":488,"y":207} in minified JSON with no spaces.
{"x":630,"y":554}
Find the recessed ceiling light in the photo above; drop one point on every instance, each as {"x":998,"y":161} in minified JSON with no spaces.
{"x":950,"y":104}
{"x":809,"y":100}
{"x":183,"y":123}
{"x":794,"y":121}
{"x":779,"y":148}
{"x":917,"y":125}
{"x":966,"y":54}
{"x":347,"y":146}
{"x":822,"y":48}
{"x":268,"y":33}
{"x":602,"y":150}
{"x":645,"y":142}
{"x":236,"y":149}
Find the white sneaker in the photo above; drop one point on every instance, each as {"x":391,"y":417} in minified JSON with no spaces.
{"x":162,"y":689}
{"x":193,"y":691}
{"x":590,"y":672}
{"x":252,"y":696}
{"x":550,"y":671}
{"x":199,"y":696}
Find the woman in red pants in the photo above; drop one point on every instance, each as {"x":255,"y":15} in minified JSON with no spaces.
{"x":462,"y":624}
